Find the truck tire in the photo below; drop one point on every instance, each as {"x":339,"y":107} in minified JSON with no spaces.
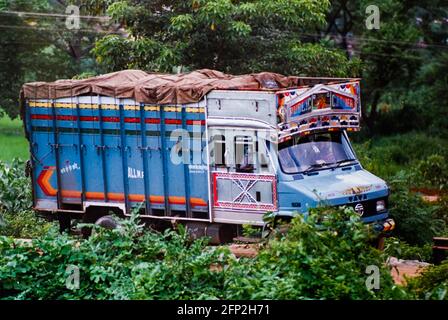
{"x":107,"y":222}
{"x":216,"y":232}
{"x":92,"y":215}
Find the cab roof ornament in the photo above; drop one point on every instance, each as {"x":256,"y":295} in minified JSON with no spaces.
{"x":327,"y":107}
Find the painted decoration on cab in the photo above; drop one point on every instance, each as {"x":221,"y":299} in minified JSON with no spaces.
{"x":324,"y":106}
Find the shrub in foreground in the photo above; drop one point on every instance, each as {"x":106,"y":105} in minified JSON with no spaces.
{"x":431,"y":284}
{"x":400,"y":249}
{"x":125,"y":263}
{"x":322,"y":257}
{"x":417,"y":221}
{"x":16,"y":217}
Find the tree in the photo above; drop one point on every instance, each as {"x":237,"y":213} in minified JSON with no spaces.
{"x":16,"y":37}
{"x":231,"y":36}
{"x":35,"y":45}
{"x":394,"y":57}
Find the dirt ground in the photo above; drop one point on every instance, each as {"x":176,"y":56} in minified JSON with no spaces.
{"x":402,"y":269}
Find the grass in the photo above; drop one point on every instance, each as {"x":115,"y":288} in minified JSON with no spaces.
{"x":385,"y":156}
{"x":13,"y":143}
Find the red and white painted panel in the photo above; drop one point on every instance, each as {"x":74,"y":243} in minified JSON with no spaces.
{"x":244,"y":191}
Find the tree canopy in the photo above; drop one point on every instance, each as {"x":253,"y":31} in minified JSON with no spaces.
{"x":35,"y":45}
{"x":230,"y":36}
{"x":402,"y":63}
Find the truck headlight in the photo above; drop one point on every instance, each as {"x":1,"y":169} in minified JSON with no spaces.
{"x":380,"y":205}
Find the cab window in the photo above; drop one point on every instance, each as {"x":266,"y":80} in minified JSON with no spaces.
{"x":244,"y":154}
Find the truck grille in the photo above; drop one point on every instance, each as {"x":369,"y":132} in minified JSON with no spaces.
{"x":368,"y":207}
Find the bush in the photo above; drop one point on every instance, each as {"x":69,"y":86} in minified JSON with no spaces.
{"x":317,"y":261}
{"x":15,"y":187}
{"x":433,"y":172}
{"x":431,"y":284}
{"x":402,"y":250}
{"x":385,"y":156}
{"x":124,"y":263}
{"x":441,"y":211}
{"x":326,"y":260}
{"x":407,"y":161}
{"x":417,"y":222}
{"x":16,"y":217}
{"x":23,"y":224}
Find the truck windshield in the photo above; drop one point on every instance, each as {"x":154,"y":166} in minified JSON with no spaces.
{"x":314,"y":151}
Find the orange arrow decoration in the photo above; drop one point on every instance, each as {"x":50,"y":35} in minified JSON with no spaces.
{"x":44,"y":181}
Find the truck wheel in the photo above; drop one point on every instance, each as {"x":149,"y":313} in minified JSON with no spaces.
{"x":218,"y":233}
{"x":92,"y":215}
{"x":107,"y":222}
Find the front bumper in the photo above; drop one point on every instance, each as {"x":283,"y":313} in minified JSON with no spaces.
{"x":380,"y":223}
{"x":384,"y":226}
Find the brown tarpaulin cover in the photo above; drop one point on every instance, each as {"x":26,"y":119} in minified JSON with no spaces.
{"x":162,"y":88}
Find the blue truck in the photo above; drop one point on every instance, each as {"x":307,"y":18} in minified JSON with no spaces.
{"x":214,"y":164}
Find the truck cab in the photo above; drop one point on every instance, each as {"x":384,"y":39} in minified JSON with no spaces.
{"x":321,"y":168}
{"x":289,"y":152}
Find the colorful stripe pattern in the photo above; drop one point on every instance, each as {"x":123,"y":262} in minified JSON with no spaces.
{"x":67,"y":105}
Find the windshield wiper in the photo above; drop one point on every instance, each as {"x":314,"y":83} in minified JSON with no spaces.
{"x":315,"y":166}
{"x":340,"y":162}
{"x":320,"y":165}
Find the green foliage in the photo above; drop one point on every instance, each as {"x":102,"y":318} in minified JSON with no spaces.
{"x":432,"y":284}
{"x":23,"y":224}
{"x":314,"y":59}
{"x":16,"y":217}
{"x":313,"y":260}
{"x":431,"y":84}
{"x":250,"y":231}
{"x":118,"y":53}
{"x":403,"y":62}
{"x":84,"y":75}
{"x":237,"y":37}
{"x":419,"y":106}
{"x":124,"y":263}
{"x":433,"y":171}
{"x":13,"y":143}
{"x":37,"y":48}
{"x":15,"y":189}
{"x":385,"y":156}
{"x":121,"y":11}
{"x":441,"y":210}
{"x":409,"y":161}
{"x":417,"y":222}
{"x":400,"y":249}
